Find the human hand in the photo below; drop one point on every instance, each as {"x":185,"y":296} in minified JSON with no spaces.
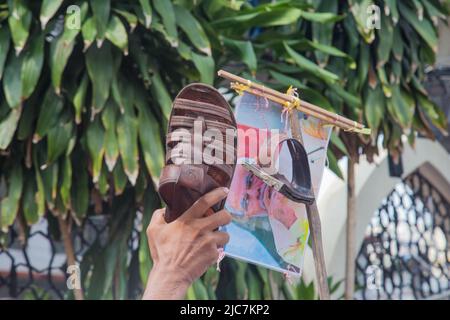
{"x":183,"y":249}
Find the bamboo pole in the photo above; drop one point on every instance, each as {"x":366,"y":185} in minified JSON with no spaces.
{"x":307,"y":107}
{"x":312,"y":113}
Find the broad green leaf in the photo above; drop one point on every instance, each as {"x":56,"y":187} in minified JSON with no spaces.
{"x":95,"y":135}
{"x":127,"y":134}
{"x":149,"y":137}
{"x":245,"y":51}
{"x":120,"y":178}
{"x":166,"y":11}
{"x":374,"y":107}
{"x":80,"y":190}
{"x":32,"y":65}
{"x":8,"y":127}
{"x":29,"y":204}
{"x":401,"y":106}
{"x":205,"y":66}
{"x":337,"y":142}
{"x":310,"y":66}
{"x":4,"y":47}
{"x":101,"y":11}
{"x":109,"y":120}
{"x":160,"y":92}
{"x":48,"y":115}
{"x":19,"y":22}
{"x":49,"y":175}
{"x":193,"y":29}
{"x":99,"y":63}
{"x":147,"y":11}
{"x":60,"y":51}
{"x":58,"y":139}
{"x":79,"y":99}
{"x":117,"y":34}
{"x":40,"y":192}
{"x":321,"y":17}
{"x":363,"y":63}
{"x":48,"y":10}
{"x":323,"y":32}
{"x":66,"y":182}
{"x":131,"y":18}
{"x":10,"y":204}
{"x":333,"y":164}
{"x":89,"y":32}
{"x":423,"y":27}
{"x":385,"y":41}
{"x":397,"y":45}
{"x":433,"y":112}
{"x":12,"y":84}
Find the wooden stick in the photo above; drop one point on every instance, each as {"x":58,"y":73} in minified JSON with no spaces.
{"x":314,"y":226}
{"x":301,"y":108}
{"x":308,"y":107}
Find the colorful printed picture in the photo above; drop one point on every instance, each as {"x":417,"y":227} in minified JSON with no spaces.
{"x":268,"y":229}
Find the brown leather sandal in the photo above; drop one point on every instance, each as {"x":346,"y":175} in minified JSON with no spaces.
{"x":197,"y":108}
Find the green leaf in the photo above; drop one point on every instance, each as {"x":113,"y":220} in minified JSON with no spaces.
{"x":127,"y":132}
{"x":8,"y":127}
{"x":166,"y":11}
{"x":66,"y":182}
{"x":9,"y":205}
{"x":193,"y":29}
{"x":101,"y":11}
{"x":245,"y":51}
{"x":149,"y":136}
{"x":32,"y":65}
{"x":49,"y":114}
{"x":89,"y":32}
{"x":29,"y":204}
{"x":374,"y":107}
{"x":423,"y":27}
{"x":117,"y":34}
{"x":58,"y":139}
{"x":147,"y":11}
{"x":48,"y":10}
{"x":12,"y":84}
{"x":60,"y":51}
{"x":337,"y":142}
{"x":80,"y":190}
{"x":19,"y":21}
{"x":120,"y":178}
{"x":386,"y":41}
{"x":4,"y":47}
{"x":433,"y":112}
{"x":205,"y":66}
{"x":309,"y":66}
{"x":109,"y":120}
{"x":333,"y":164}
{"x":99,"y":63}
{"x":160,"y":92}
{"x":129,"y":17}
{"x":95,"y":135}
{"x":40,"y":193}
{"x":79,"y":98}
{"x":401,"y":106}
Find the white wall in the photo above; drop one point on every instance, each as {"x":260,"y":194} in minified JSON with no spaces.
{"x":373,"y":183}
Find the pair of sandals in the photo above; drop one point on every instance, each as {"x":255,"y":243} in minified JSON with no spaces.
{"x":196,"y":109}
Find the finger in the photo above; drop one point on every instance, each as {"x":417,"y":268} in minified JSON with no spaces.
{"x":216,"y":220}
{"x":220,"y":238}
{"x":199,"y":208}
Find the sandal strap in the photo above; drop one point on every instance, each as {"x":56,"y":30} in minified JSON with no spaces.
{"x":202,"y":108}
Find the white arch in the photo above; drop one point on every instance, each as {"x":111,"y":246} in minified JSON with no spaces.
{"x":372,"y":185}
